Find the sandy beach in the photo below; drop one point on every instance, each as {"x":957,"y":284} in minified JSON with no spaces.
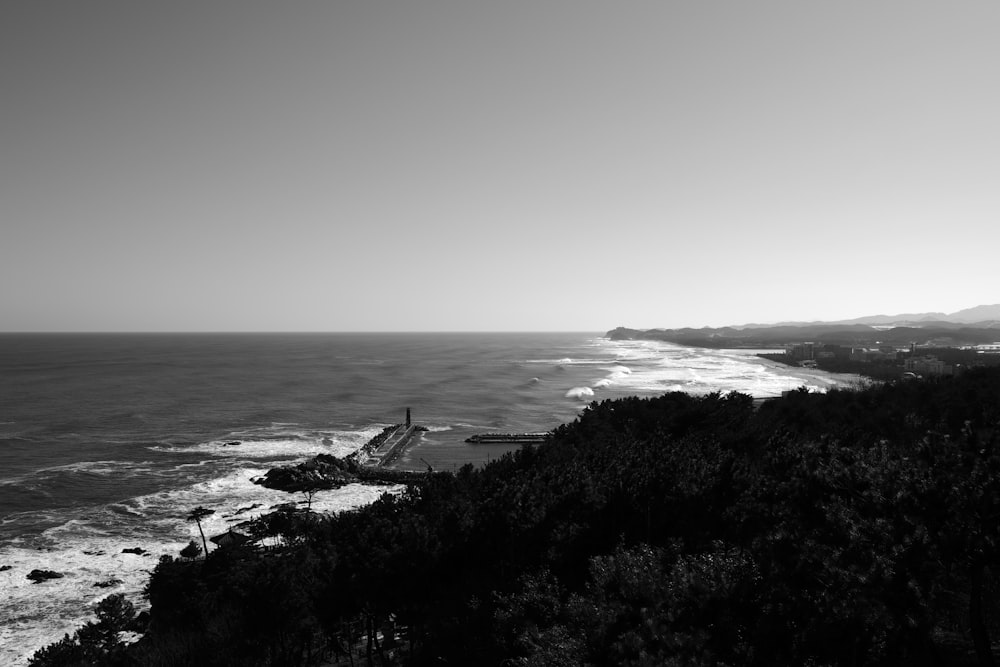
{"x":814,"y":376}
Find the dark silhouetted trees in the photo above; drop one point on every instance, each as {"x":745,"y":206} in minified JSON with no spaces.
{"x":848,"y":528}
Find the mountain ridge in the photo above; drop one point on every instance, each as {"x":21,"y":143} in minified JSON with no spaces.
{"x":975,"y":315}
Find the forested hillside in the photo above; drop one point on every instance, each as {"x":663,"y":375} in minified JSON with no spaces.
{"x":847,"y":528}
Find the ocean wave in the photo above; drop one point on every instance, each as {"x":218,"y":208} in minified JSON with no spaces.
{"x":335,"y":443}
{"x":114,"y":467}
{"x":655,"y":366}
{"x":88,"y":550}
{"x":566,"y":361}
{"x":37,"y":614}
{"x":580,"y":393}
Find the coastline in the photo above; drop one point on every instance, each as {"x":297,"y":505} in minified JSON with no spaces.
{"x":515,"y":389}
{"x":824,"y":379}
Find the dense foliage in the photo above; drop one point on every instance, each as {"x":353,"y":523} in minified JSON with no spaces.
{"x":849,"y":528}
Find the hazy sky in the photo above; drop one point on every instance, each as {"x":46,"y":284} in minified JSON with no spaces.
{"x":423,"y":165}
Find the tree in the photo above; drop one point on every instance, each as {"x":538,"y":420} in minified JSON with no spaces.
{"x":94,"y":643}
{"x":192,"y":550}
{"x":196,"y":515}
{"x":311,"y":488}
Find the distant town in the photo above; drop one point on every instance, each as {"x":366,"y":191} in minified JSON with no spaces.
{"x":881,"y":347}
{"x":888,"y":361}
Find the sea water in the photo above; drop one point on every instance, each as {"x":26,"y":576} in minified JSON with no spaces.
{"x":108,"y":441}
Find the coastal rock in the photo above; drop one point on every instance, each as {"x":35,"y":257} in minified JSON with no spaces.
{"x":231,"y":443}
{"x":138,"y":551}
{"x":39,"y":576}
{"x":107,"y":583}
{"x":322,"y":472}
{"x":4,"y":568}
{"x":241,"y":510}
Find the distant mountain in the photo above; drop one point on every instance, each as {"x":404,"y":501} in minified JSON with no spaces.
{"x":882,"y":320}
{"x":975,"y":315}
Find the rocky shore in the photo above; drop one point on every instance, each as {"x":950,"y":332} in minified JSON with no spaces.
{"x":330,"y":472}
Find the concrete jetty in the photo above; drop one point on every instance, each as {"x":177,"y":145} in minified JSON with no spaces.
{"x":388,"y":445}
{"x":507,"y":438}
{"x":395,"y":444}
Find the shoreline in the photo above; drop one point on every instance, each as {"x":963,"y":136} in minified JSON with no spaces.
{"x":437,"y":446}
{"x":826,"y":379}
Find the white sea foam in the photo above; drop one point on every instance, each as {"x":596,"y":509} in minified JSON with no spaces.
{"x":602,"y":384}
{"x":37,"y":614}
{"x":580,"y":393}
{"x":38,"y":480}
{"x":88,"y":550}
{"x":302,"y":445}
{"x":102,"y":467}
{"x":656,"y":367}
{"x":264,"y":448}
{"x":565,"y":361}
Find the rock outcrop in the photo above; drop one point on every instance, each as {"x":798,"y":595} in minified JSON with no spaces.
{"x":39,"y":576}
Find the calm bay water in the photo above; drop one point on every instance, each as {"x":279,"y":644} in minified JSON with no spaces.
{"x":108,"y":441}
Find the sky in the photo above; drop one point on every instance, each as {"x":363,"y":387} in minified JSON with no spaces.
{"x":236,"y":165}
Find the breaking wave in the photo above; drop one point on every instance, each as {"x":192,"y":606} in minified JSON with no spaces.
{"x":580,"y":393}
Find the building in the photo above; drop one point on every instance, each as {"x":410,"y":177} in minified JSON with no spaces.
{"x":802,"y":351}
{"x":229,"y":538}
{"x":928,"y":365}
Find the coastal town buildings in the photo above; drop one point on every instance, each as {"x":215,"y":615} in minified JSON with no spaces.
{"x":928,"y":365}
{"x":801,"y":351}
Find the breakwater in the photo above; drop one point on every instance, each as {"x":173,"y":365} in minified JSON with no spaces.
{"x":364,"y":454}
{"x":387,"y":446}
{"x":507,"y":438}
{"x":394,"y":445}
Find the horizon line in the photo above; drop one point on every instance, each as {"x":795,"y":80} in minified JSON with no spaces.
{"x":296,"y":331}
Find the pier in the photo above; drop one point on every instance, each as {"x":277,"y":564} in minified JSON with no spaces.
{"x":387,"y":446}
{"x":394,"y":445}
{"x":507,"y":438}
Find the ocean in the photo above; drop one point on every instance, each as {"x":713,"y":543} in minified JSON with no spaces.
{"x":108,"y":441}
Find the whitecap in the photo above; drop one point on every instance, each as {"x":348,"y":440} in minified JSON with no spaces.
{"x":102,"y":467}
{"x":580,"y":392}
{"x":339,"y":443}
{"x":88,"y":551}
{"x":602,"y":384}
